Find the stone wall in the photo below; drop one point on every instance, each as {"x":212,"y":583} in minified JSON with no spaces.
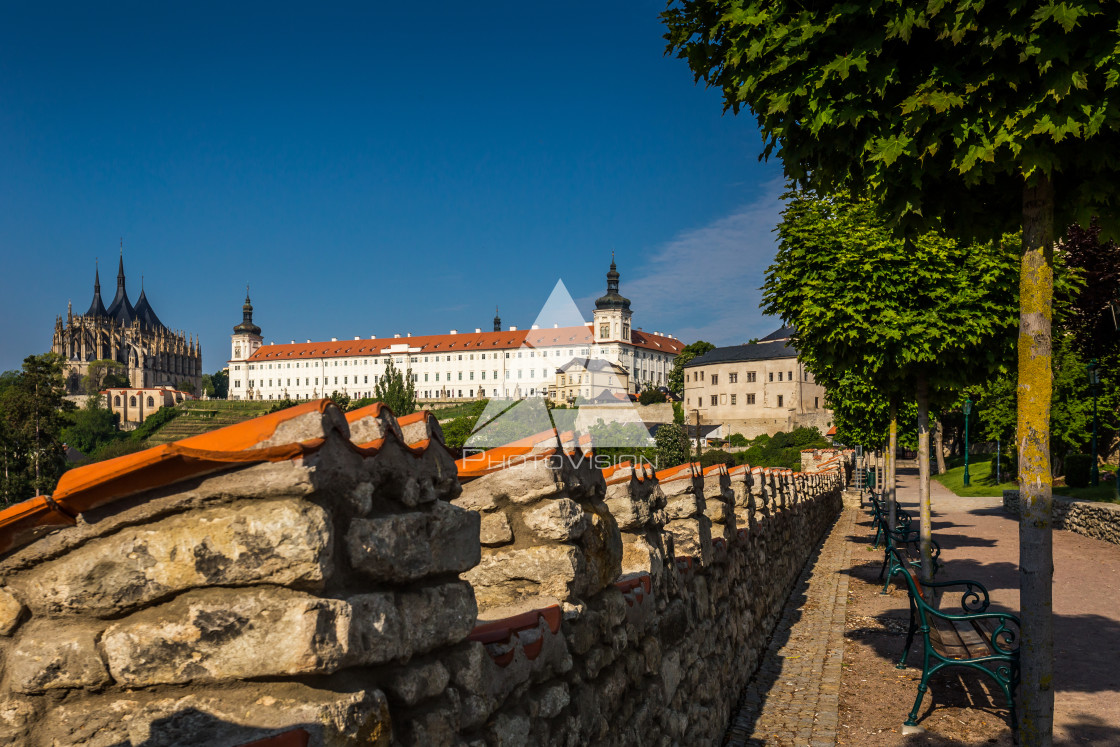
{"x":1090,"y":518}
{"x":344,"y":577}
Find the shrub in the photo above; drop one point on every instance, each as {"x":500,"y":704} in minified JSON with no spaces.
{"x":716,"y":456}
{"x":738,"y":439}
{"x":651,"y":396}
{"x":1078,"y":467}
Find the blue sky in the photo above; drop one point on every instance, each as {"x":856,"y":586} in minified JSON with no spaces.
{"x":370,"y":169}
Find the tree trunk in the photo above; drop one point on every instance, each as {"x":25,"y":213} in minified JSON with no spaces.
{"x":939,"y":445}
{"x":925,"y":533}
{"x":888,"y":478}
{"x":1036,"y":551}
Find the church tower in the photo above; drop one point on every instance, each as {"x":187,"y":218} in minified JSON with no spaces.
{"x":612,"y":312}
{"x":246,"y":337}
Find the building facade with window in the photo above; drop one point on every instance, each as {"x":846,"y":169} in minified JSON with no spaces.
{"x":584,"y":379}
{"x":754,"y":389}
{"x":458,"y":365}
{"x":135,"y":405}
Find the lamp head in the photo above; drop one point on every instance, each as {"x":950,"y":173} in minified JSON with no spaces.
{"x":967,"y":407}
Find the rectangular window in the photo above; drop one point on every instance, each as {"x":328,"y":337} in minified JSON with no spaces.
{"x":750,"y":377}
{"x":771,"y":376}
{"x":779,"y":376}
{"x":733,"y":399}
{"x":437,"y":375}
{"x":816,"y":402}
{"x":365,"y":379}
{"x":472,"y":375}
{"x":732,"y":378}
{"x":426,"y":377}
{"x":750,"y":399}
{"x":780,"y":399}
{"x":701,"y":376}
{"x":483,"y":374}
{"x":789,"y":375}
{"x":714,"y":398}
{"x":460,"y":376}
{"x":715,"y":379}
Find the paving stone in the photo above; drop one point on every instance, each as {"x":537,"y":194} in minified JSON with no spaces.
{"x":793,"y":697}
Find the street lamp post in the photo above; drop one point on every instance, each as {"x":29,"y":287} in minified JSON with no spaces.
{"x":1094,"y":390}
{"x":967,"y":412}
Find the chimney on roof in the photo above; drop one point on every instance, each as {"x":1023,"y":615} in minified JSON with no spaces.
{"x":334,"y":339}
{"x":309,"y":341}
{"x":556,"y":325}
{"x":357,"y":338}
{"x":454,"y":331}
{"x":291,"y":342}
{"x":477,"y":330}
{"x":396,"y":335}
{"x":657,"y":333}
{"x":512,"y":329}
{"x":373,"y":337}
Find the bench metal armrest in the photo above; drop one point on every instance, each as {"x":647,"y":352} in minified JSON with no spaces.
{"x":974,"y":600}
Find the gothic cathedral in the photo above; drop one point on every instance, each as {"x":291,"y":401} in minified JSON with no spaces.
{"x":133,"y":336}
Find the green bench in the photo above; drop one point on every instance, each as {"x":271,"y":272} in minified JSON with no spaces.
{"x":975,"y":638}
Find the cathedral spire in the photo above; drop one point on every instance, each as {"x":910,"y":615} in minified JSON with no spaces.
{"x":497,"y":320}
{"x":121,"y":308}
{"x":97,"y":307}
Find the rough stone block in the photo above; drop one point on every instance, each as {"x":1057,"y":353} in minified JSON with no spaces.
{"x":50,"y":656}
{"x":437,"y":615}
{"x":415,"y":682}
{"x":560,"y":519}
{"x":409,"y":546}
{"x":376,"y":633}
{"x":11,"y":610}
{"x":232,"y":715}
{"x":504,"y":576}
{"x":522,"y":483}
{"x":284,"y":542}
{"x":227,"y":634}
{"x":495,"y":530}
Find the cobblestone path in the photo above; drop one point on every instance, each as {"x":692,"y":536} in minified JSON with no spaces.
{"x":793,"y":699}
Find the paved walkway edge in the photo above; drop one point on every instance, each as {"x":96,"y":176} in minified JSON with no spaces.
{"x":794,"y":698}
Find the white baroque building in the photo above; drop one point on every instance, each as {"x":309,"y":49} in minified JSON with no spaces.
{"x":457,"y":365}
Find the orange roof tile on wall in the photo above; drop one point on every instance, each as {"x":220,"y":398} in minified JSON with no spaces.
{"x":293,"y":738}
{"x":25,"y":519}
{"x":94,"y":485}
{"x":540,"y":444}
{"x":680,"y":472}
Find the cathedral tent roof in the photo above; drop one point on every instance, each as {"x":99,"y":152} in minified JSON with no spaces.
{"x":97,"y":307}
{"x":145,"y":313}
{"x":121,"y":308}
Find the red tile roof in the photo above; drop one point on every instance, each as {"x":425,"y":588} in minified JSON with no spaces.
{"x":457,"y":343}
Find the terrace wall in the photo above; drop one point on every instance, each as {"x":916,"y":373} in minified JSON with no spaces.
{"x":343,"y":578}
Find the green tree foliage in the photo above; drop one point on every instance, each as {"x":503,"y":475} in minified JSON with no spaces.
{"x":678,"y":413}
{"x":91,"y":427}
{"x":396,"y":390}
{"x":676,"y":373}
{"x":671,"y":445}
{"x":32,"y":416}
{"x":103,"y":374}
{"x":983,"y":119}
{"x":738,"y":439}
{"x":216,"y":385}
{"x":650,"y":395}
{"x":915,"y":318}
{"x":185,"y":386}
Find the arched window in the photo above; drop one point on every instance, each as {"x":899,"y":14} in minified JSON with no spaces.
{"x":151,"y":401}
{"x":132,"y":401}
{"x":117,"y":400}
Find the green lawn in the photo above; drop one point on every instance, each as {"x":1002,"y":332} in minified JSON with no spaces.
{"x":984,"y":483}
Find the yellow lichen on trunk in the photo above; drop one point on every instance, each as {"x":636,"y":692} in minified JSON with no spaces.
{"x":1036,"y":557}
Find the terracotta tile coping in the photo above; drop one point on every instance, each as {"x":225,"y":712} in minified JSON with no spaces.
{"x":293,"y":738}
{"x":95,"y":485}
